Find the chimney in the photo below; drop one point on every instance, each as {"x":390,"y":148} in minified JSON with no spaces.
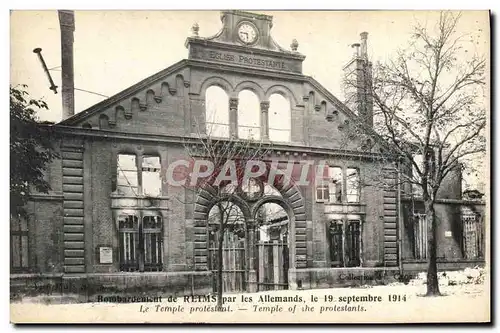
{"x":358,"y":82}
{"x":364,"y":48}
{"x":67,"y":26}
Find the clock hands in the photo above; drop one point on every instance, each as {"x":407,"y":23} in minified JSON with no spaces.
{"x":246,"y":33}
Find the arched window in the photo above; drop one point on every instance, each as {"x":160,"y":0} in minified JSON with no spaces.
{"x":248,"y":115}
{"x":103,"y":121}
{"x":279,"y":118}
{"x":217,"y":112}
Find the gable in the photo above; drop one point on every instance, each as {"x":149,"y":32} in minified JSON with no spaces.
{"x":148,"y":104}
{"x":165,"y":102}
{"x":333,"y":125}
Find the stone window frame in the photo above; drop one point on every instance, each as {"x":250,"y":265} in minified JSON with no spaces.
{"x":134,"y":239}
{"x":139,"y":166}
{"x":345,"y":259}
{"x":320,"y":186}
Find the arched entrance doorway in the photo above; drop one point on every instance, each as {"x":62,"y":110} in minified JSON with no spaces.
{"x":273,"y":218}
{"x":243,"y":268}
{"x":226,"y":243}
{"x":272,"y":246}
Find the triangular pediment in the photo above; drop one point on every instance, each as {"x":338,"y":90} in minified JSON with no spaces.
{"x":153,"y":99}
{"x":333,"y":125}
{"x":159,"y":104}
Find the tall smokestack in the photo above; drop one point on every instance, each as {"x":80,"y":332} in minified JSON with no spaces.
{"x":67,"y":26}
{"x":358,"y":82}
{"x":364,"y":46}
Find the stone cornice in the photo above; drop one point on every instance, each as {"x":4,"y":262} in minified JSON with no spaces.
{"x":245,"y":49}
{"x":259,"y":72}
{"x":283,"y":149}
{"x":53,"y":196}
{"x":446,"y":201}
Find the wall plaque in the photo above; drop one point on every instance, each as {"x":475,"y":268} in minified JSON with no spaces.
{"x":105,"y":255}
{"x":249,"y":60}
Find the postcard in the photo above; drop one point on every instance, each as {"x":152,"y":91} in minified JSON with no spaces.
{"x":250,"y":167}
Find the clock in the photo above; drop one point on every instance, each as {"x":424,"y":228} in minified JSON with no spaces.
{"x":247,"y":33}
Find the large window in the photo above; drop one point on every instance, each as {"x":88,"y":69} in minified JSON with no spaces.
{"x":352,"y":185}
{"x":19,"y":258}
{"x":217,"y":112}
{"x":280,"y":120}
{"x":151,"y":180}
{"x":345,"y":242}
{"x":140,"y":242}
{"x":337,"y":185}
{"x":248,"y":115}
{"x":134,"y":181}
{"x":127,"y":180}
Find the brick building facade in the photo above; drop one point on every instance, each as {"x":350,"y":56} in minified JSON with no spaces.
{"x":99,"y":226}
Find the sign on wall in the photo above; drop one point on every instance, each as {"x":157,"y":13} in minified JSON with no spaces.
{"x":105,"y":255}
{"x":256,"y":61}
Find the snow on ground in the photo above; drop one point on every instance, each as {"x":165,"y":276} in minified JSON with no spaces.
{"x":466,"y":298}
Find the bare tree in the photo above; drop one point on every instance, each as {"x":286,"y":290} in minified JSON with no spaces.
{"x":220,"y":157}
{"x":429,"y":101}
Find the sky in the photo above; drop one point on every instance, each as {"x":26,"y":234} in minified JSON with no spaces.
{"x":116,"y":49}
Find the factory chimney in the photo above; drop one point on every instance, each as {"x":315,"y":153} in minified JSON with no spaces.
{"x":67,"y":26}
{"x":358,"y":82}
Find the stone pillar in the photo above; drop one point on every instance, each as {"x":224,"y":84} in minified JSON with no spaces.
{"x":252,"y":273}
{"x":264,"y":120}
{"x":233,"y":117}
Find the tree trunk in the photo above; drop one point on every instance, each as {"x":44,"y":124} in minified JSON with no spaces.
{"x":432,"y":278}
{"x":220,"y":252}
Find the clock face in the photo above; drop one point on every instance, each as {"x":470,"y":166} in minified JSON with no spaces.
{"x":247,"y":33}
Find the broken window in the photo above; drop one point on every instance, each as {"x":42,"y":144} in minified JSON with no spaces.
{"x":330,"y":188}
{"x":127,"y":177}
{"x":151,"y":179}
{"x":352,"y":184}
{"x":133,"y":182}
{"x":335,"y":184}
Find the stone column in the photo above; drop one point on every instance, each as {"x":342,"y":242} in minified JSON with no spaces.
{"x":233,"y":117}
{"x":252,"y":273}
{"x":264,"y":120}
